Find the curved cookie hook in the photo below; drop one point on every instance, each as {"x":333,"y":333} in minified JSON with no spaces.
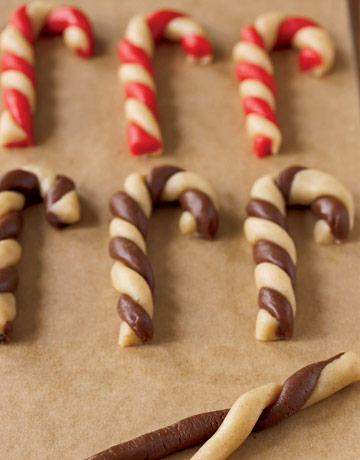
{"x":17,"y":61}
{"x":136,"y":72}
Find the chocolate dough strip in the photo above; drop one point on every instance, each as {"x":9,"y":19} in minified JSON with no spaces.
{"x":136,"y":317}
{"x":265,"y":210}
{"x":267,"y":251}
{"x":59,"y":214}
{"x":131,"y":255}
{"x":328,"y":208}
{"x":279,"y":307}
{"x":334,"y":213}
{"x":285,"y":179}
{"x":295,"y":392}
{"x":203,"y":209}
{"x":23,"y":182}
{"x":160,"y":443}
{"x":194,"y":430}
{"x":123,"y":246}
{"x":157,"y":177}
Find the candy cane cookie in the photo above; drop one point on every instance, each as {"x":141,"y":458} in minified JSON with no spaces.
{"x":131,"y":273}
{"x":255,"y":72}
{"x":19,"y":189}
{"x":273,"y":248}
{"x":136,"y":71}
{"x":18,"y":80}
{"x":255,"y":410}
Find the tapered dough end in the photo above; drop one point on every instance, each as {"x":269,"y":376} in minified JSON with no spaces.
{"x":10,"y":132}
{"x":76,"y":39}
{"x":337,"y":375}
{"x":266,"y":326}
{"x":323,"y":233}
{"x":187,"y":223}
{"x":7,"y":308}
{"x":127,"y":336}
{"x":67,"y":209}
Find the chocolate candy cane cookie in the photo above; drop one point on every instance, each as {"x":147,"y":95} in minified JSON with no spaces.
{"x":273,"y":248}
{"x":18,"y":189}
{"x":131,"y":274}
{"x":255,"y":410}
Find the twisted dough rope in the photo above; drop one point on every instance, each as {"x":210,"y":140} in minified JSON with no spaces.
{"x":131,"y":274}
{"x":274,"y":250}
{"x":18,"y":79}
{"x":255,"y":71}
{"x":20,"y":188}
{"x":268,"y":405}
{"x":256,"y":410}
{"x":135,"y":52}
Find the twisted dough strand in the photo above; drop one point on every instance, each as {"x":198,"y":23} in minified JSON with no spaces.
{"x":256,"y":410}
{"x":272,"y":403}
{"x":274,"y":250}
{"x":20,"y":188}
{"x":18,"y":79}
{"x":255,"y":72}
{"x":136,"y":72}
{"x":131,"y":273}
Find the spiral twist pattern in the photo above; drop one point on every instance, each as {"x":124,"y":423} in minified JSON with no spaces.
{"x":131,"y":273}
{"x":255,"y":72}
{"x":20,"y":188}
{"x":255,"y":410}
{"x":270,"y":404}
{"x":273,"y":248}
{"x":136,"y":72}
{"x":18,"y":78}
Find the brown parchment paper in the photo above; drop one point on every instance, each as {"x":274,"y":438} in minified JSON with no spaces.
{"x":67,"y":390}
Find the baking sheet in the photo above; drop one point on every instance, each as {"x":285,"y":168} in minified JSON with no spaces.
{"x":67,"y":390}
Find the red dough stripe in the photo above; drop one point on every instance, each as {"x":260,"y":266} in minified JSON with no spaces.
{"x":56,"y":22}
{"x":262,"y":146}
{"x":245,"y":70}
{"x":9,"y":61}
{"x":21,"y":22}
{"x":140,"y":142}
{"x":251,"y":35}
{"x":259,"y":107}
{"x":143,"y":94}
{"x":64,"y":16}
{"x":159,"y":20}
{"x":196,"y":45}
{"x":308,"y":59}
{"x":129,"y":53}
{"x":19,"y":108}
{"x":288,"y":29}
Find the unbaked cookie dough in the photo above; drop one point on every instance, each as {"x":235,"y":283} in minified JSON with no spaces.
{"x":131,"y":273}
{"x":26,"y":24}
{"x":20,"y":188}
{"x":273,"y":248}
{"x":255,"y":410}
{"x":136,"y":71}
{"x":255,"y":72}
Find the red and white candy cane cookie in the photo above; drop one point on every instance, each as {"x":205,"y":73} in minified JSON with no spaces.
{"x":136,"y":72}
{"x":255,"y":72}
{"x":18,"y":79}
{"x":20,"y":188}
